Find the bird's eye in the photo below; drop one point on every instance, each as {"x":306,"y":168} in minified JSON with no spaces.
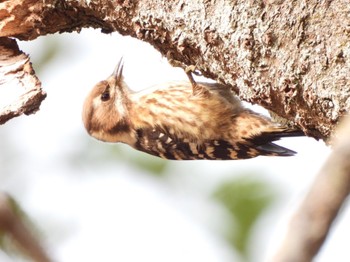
{"x":105,"y":96}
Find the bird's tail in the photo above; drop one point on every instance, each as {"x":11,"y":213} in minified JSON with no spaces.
{"x":264,"y":142}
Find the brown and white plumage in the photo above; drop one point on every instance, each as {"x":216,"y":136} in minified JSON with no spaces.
{"x":174,"y":121}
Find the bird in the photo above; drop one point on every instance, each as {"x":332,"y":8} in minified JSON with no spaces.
{"x":181,"y":120}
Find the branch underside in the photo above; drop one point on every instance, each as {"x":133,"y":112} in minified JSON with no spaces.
{"x":290,"y":57}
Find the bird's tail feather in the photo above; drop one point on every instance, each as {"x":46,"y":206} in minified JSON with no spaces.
{"x":271,"y":149}
{"x":264,"y":142}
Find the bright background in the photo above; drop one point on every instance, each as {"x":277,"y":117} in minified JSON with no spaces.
{"x":93,"y":201}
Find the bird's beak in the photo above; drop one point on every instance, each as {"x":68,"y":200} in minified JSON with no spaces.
{"x":118,"y":71}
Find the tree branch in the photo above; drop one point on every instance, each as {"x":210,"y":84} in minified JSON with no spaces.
{"x":20,"y":89}
{"x":312,"y":222}
{"x":292,"y":57}
{"x":13,"y":225}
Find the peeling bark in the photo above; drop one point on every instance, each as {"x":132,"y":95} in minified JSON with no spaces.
{"x":20,"y":89}
{"x":291,"y":57}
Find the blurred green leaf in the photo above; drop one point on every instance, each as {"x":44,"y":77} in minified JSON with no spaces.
{"x":245,"y":200}
{"x":153,"y":165}
{"x":51,"y":47}
{"x":99,"y":153}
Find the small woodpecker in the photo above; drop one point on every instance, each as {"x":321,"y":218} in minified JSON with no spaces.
{"x":181,"y":120}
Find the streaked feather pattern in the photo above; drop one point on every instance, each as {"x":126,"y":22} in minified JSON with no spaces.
{"x":173,"y":122}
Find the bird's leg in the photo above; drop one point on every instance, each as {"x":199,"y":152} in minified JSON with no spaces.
{"x":196,"y":88}
{"x":189,"y":70}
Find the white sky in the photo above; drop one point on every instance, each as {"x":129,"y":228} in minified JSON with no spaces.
{"x":116,"y":212}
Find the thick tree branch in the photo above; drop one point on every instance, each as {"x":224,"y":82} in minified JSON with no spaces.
{"x":291,"y":57}
{"x":20,"y":89}
{"x":313,"y":220}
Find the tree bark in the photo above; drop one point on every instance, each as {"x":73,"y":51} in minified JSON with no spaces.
{"x":20,"y":89}
{"x":291,"y":57}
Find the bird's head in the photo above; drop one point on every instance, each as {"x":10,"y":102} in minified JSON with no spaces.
{"x":105,"y":108}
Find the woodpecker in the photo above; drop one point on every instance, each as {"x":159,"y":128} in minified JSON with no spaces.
{"x":181,"y":120}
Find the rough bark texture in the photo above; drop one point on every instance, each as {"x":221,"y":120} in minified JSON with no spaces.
{"x":20,"y":89}
{"x":292,"y":57}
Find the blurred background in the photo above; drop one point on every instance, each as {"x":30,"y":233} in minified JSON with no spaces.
{"x":93,"y":201}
